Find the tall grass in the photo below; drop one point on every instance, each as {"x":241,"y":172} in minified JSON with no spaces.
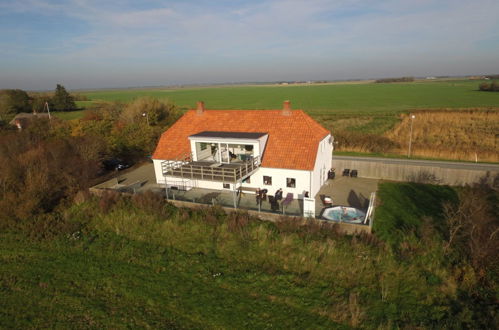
{"x":470,"y":134}
{"x":359,"y":280}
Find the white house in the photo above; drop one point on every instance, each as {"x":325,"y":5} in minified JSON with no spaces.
{"x":245,"y":149}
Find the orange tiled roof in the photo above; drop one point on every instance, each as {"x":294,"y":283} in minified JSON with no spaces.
{"x":293,"y":139}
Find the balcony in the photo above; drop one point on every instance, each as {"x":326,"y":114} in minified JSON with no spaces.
{"x":233,"y":172}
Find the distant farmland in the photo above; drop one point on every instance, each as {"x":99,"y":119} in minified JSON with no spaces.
{"x":322,"y":99}
{"x":363,"y":117}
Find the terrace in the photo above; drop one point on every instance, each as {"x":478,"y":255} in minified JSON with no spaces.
{"x":234,"y":172}
{"x":346,"y":191}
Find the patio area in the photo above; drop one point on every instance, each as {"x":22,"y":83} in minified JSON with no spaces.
{"x":243,"y":200}
{"x":345,"y":191}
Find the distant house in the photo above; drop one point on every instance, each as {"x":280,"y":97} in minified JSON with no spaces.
{"x":245,"y":149}
{"x":23,"y":119}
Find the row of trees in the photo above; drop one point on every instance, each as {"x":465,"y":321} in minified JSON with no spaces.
{"x":14,"y":101}
{"x":392,"y":80}
{"x":489,"y":87}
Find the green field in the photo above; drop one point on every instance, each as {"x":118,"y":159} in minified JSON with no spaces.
{"x":323,"y":99}
{"x":141,"y":263}
{"x":69,"y":115}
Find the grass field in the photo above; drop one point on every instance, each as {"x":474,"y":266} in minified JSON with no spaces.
{"x":322,"y":99}
{"x":142,"y":263}
{"x":114,"y":262}
{"x":68,"y":115}
{"x":366,"y":118}
{"x":465,"y":135}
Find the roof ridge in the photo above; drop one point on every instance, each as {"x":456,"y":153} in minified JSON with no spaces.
{"x":306,"y":120}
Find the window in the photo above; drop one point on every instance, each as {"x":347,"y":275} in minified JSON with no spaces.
{"x":247,"y":180}
{"x":267,"y":180}
{"x":203,"y":146}
{"x":290,"y":182}
{"x":226,"y":185}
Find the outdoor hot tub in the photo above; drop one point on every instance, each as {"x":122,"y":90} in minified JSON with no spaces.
{"x":343,"y":214}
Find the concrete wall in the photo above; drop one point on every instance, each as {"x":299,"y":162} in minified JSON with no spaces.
{"x":388,"y":170}
{"x":347,"y":228}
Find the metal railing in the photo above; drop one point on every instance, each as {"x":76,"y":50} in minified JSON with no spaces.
{"x":185,"y":168}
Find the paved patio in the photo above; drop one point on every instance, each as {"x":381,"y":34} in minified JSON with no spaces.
{"x":343,"y":191}
{"x":347,"y":191}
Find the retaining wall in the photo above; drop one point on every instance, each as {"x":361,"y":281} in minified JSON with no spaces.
{"x":388,"y":169}
{"x":342,"y":227}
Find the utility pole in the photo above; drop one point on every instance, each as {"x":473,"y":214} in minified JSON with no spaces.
{"x":48,"y":109}
{"x":410,"y":137}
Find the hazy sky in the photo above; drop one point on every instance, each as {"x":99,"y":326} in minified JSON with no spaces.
{"x":99,"y":43}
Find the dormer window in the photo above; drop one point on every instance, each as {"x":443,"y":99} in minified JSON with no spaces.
{"x":227,"y":147}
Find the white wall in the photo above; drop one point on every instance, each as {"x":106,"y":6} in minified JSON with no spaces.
{"x":279,"y":181}
{"x":310,"y":181}
{"x":323,"y":163}
{"x":200,"y":154}
{"x":158,"y":171}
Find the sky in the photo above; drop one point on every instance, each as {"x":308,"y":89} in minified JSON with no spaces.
{"x":105,"y":44}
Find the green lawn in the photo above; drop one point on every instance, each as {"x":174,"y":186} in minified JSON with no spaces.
{"x":68,"y":115}
{"x":105,"y":281}
{"x":323,"y":99}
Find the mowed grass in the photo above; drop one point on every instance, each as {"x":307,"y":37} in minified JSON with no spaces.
{"x":326,"y":99}
{"x":69,"y":115}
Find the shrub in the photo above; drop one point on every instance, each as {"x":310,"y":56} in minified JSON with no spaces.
{"x":489,"y":87}
{"x":107,"y":200}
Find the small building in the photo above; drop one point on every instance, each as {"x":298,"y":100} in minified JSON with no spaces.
{"x":23,"y":119}
{"x":245,"y":150}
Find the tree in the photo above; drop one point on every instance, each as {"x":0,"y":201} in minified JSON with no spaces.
{"x":484,"y":86}
{"x":38,"y":104}
{"x":150,"y":111}
{"x":12,"y":102}
{"x":62,"y":100}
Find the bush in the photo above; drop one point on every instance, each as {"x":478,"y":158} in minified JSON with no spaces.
{"x":489,"y":87}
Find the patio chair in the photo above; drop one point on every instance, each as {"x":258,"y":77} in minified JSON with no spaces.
{"x":288,"y":199}
{"x":353,"y":174}
{"x":346,"y":172}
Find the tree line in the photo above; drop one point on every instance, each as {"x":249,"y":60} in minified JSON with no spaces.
{"x":14,"y":101}
{"x":489,"y":87}
{"x":392,"y":80}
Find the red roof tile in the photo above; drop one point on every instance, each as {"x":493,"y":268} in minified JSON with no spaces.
{"x":293,"y":139}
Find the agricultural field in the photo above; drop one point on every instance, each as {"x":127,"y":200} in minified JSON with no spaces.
{"x":474,"y":135}
{"x":323,"y":99}
{"x":364,"y":117}
{"x":69,"y":115}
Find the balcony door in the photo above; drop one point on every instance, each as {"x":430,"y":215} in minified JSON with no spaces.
{"x":224,"y":153}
